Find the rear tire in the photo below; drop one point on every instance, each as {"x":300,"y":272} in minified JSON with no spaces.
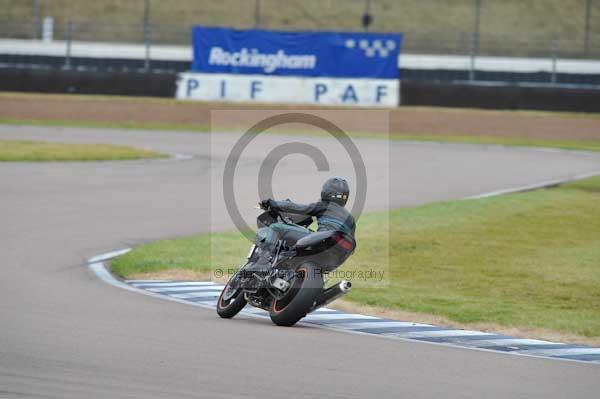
{"x":232,"y":306}
{"x":306,"y":287}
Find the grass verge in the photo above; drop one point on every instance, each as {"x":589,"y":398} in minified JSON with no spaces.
{"x":106,"y":124}
{"x":504,"y":24}
{"x":523,"y":262}
{"x":172,"y":102}
{"x":37,"y":151}
{"x":578,"y":145}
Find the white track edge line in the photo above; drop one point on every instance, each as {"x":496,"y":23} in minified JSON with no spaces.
{"x":100,"y":270}
{"x":535,"y":186}
{"x":108,"y":255}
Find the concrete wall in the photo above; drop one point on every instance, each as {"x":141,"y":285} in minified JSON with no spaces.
{"x":500,"y":96}
{"x":412,"y":92}
{"x":134,"y":83}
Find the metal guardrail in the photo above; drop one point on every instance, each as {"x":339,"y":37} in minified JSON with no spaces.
{"x":162,"y":58}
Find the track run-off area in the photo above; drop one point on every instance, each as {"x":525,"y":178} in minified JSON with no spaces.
{"x":65,"y":333}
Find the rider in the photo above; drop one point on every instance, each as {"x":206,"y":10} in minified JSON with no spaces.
{"x":330,"y":212}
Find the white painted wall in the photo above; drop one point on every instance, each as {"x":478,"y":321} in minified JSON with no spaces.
{"x":184,"y":53}
{"x":286,"y":89}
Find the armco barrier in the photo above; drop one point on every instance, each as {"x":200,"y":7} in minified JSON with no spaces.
{"x":163,"y":66}
{"x":494,"y":96}
{"x":138,"y":83}
{"x":133,"y":83}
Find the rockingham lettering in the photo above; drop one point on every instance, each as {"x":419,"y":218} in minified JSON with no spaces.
{"x":255,"y":59}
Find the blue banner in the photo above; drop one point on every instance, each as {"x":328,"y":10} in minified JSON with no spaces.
{"x":316,"y":54}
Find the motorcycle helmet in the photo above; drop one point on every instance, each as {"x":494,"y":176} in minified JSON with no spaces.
{"x":335,"y":190}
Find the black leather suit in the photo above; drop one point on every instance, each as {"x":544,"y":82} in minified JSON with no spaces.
{"x":329,"y":215}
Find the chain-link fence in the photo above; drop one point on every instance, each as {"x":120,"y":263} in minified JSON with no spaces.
{"x":138,"y":30}
{"x":493,"y":27}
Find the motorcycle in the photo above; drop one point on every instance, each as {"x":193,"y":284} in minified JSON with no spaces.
{"x":293,"y":286}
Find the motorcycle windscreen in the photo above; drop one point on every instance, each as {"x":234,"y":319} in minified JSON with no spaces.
{"x":265,"y":219}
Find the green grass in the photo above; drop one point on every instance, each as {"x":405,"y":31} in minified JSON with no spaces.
{"x":107,"y":124}
{"x":37,"y":151}
{"x":581,"y":145}
{"x":507,"y":27}
{"x":521,"y":260}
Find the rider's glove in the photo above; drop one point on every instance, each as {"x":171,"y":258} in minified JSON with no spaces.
{"x":265,"y":204}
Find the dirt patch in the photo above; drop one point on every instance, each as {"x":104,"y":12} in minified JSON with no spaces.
{"x":539,"y":125}
{"x":405,"y":120}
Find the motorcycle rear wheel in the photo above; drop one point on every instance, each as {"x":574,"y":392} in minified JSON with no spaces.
{"x":295,"y":304}
{"x":227,"y":308}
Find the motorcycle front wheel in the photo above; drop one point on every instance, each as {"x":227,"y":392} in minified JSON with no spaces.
{"x":231,"y":300}
{"x":306,"y":285}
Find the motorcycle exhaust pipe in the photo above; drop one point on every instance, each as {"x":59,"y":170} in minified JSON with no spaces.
{"x":331,"y":294}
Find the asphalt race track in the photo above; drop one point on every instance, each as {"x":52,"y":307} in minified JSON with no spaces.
{"x":66,"y":334}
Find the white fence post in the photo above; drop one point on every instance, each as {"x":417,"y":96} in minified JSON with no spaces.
{"x":68,"y":49}
{"x":48,"y":29}
{"x":554,"y":58}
